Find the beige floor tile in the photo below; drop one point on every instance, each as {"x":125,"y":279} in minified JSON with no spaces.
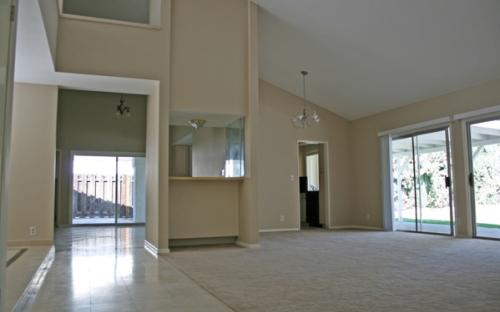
{"x":96,"y":270}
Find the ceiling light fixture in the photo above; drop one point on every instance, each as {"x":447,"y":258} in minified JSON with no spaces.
{"x":197,"y":123}
{"x":122,"y":109}
{"x":305,"y":118}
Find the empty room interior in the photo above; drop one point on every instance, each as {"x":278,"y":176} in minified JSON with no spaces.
{"x":250,"y":155}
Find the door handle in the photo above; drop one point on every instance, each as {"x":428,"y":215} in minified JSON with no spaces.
{"x":471,"y":179}
{"x":447,"y":181}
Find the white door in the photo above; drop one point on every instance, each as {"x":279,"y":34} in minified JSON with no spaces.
{"x":7,"y":35}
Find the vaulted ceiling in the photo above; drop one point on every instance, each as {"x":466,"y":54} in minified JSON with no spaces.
{"x":368,"y":56}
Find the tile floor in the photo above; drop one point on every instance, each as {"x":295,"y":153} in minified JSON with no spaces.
{"x":21,"y":271}
{"x":107,"y":269}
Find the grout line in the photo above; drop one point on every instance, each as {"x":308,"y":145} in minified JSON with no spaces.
{"x":35,"y":284}
{"x":16,"y":256}
{"x":198,"y":284}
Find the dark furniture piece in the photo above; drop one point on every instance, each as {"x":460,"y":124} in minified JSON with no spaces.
{"x":312,"y":203}
{"x":303,"y":184}
{"x":312,"y":208}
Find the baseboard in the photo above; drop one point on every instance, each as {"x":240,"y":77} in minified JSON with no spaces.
{"x":355,"y":227}
{"x":196,"y":242}
{"x":247,"y":245}
{"x":279,"y":230}
{"x":29,"y":243}
{"x":151,"y":248}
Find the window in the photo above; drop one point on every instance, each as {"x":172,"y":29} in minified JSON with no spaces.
{"x":312,"y":170}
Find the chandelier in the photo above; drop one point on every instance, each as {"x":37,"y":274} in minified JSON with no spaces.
{"x":305,"y":118}
{"x":122,"y":109}
{"x":196,"y":123}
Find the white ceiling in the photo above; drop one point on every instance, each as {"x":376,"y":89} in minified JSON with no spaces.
{"x":368,"y":56}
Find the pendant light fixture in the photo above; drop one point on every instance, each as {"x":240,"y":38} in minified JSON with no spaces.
{"x":305,"y":118}
{"x":196,"y":123}
{"x":122,"y":109}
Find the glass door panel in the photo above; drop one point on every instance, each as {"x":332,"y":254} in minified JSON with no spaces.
{"x":109,"y":190}
{"x":433,"y":183}
{"x":422,"y":183}
{"x":131,"y":190}
{"x":404,"y":185}
{"x":485,"y":166}
{"x":94,"y":189}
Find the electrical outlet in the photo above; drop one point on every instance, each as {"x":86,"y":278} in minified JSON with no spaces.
{"x":368,"y":216}
{"x":292,"y":177}
{"x":282,"y":218}
{"x":32,"y":230}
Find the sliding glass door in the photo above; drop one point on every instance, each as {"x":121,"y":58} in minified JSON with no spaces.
{"x":484,"y":151}
{"x":108,"y":190}
{"x":422,"y":193}
{"x":131,"y":199}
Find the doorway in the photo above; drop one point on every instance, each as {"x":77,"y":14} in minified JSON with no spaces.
{"x":484,"y":155}
{"x":313,"y":185}
{"x":108,"y":190}
{"x":422,"y":188}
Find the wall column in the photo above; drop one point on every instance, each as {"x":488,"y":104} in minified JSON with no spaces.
{"x":248,"y":218}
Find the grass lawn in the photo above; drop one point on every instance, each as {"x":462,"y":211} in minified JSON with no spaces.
{"x":441,"y":222}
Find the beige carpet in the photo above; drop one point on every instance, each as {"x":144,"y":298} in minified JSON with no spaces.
{"x":350,"y":271}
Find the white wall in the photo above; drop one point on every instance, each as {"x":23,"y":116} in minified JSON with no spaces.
{"x":6,"y":77}
{"x":30,"y":187}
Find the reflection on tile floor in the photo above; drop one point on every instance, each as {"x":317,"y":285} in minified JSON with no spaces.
{"x":107,"y":269}
{"x":21,"y":271}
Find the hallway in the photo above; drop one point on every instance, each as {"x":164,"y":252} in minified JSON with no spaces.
{"x":107,"y":269}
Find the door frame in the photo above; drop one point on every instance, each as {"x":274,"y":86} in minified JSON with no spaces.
{"x":470,"y":174}
{"x":327,"y":189}
{"x":412,"y":135}
{"x":74,"y":153}
{"x":5,"y":140}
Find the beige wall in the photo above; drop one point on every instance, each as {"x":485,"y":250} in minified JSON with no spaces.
{"x":208,"y":75}
{"x":30,"y":186}
{"x":112,"y":50}
{"x":365,"y":165}
{"x":209,"y":56}
{"x":212,"y":212}
{"x":152,"y":166}
{"x":87,"y":122}
{"x":278,"y":160}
